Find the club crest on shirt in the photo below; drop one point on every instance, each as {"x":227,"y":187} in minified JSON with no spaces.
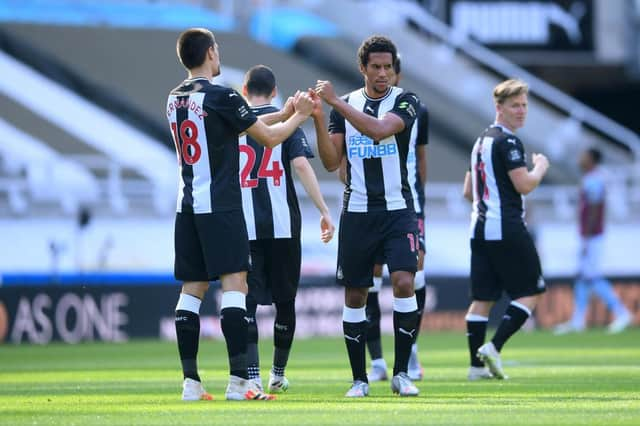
{"x":514,"y":155}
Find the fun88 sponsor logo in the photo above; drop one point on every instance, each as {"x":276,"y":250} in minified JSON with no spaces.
{"x":362,"y":146}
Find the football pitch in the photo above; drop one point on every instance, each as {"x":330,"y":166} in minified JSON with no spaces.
{"x":591,"y":378}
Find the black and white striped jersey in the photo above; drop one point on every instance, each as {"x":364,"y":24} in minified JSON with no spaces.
{"x":269,"y":200}
{"x":419,"y":136}
{"x":498,"y":209}
{"x":377,"y":177}
{"x":205,"y":121}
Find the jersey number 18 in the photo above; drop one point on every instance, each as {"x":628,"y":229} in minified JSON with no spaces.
{"x":186,"y":141}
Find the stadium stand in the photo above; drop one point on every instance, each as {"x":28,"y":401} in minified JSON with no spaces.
{"x":461,"y":70}
{"x":48,"y":177}
{"x":88,"y":124}
{"x":115,"y":60}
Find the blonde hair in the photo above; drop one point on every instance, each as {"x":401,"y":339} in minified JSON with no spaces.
{"x":509,"y":88}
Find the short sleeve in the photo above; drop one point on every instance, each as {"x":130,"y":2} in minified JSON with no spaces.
{"x":297,"y":146}
{"x":594,"y":189}
{"x":423,"y":126}
{"x":406,"y":107}
{"x":233,"y":109}
{"x":336,"y":123}
{"x":511,"y":150}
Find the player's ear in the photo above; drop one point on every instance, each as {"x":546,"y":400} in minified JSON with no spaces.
{"x":362,"y":69}
{"x":274,"y":92}
{"x":245,"y":92}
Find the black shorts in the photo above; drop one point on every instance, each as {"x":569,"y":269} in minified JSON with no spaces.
{"x":380,"y":254}
{"x":380,"y":260}
{"x":209,"y":245}
{"x":421,"y":234}
{"x":363,"y":235}
{"x":511,"y":265}
{"x":275,"y":270}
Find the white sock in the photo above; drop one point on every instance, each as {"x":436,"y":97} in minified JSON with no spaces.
{"x":419,"y":282}
{"x":187,"y":302}
{"x":377,"y":284}
{"x":233,"y":299}
{"x":405,"y":304}
{"x":380,"y":362}
{"x":353,"y":315}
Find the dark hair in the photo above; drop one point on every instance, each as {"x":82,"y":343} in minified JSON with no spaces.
{"x":375,"y":44}
{"x":595,"y":154}
{"x":396,"y":65}
{"x":260,"y":81}
{"x":192,"y":46}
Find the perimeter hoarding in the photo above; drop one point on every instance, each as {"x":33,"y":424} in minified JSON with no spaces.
{"x":120,"y":309}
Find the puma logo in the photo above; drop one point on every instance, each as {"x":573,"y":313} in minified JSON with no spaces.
{"x":354,"y":339}
{"x":408,"y":333}
{"x":368,"y":108}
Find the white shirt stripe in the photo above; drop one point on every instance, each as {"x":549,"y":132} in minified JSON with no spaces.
{"x":493,"y":222}
{"x":412,"y":167}
{"x":202,"y":196}
{"x":391,"y":167}
{"x":279,"y":204}
{"x":247,"y":197}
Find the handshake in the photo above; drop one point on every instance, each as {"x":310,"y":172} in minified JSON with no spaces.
{"x":309,"y":102}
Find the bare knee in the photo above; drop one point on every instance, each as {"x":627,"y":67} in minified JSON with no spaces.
{"x":403,"y":284}
{"x":377,"y":270}
{"x":420,"y":260}
{"x":529,"y":301}
{"x":355,"y":297}
{"x":195,"y":288}
{"x":236,"y":281}
{"x":480,"y":307}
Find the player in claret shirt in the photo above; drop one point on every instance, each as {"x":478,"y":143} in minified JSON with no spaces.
{"x":591,"y":218}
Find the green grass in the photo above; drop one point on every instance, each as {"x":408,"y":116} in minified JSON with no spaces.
{"x":592,"y":378}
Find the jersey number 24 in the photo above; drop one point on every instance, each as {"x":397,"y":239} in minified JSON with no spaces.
{"x":267,"y":168}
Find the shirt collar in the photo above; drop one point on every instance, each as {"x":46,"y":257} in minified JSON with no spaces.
{"x":504,"y":129}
